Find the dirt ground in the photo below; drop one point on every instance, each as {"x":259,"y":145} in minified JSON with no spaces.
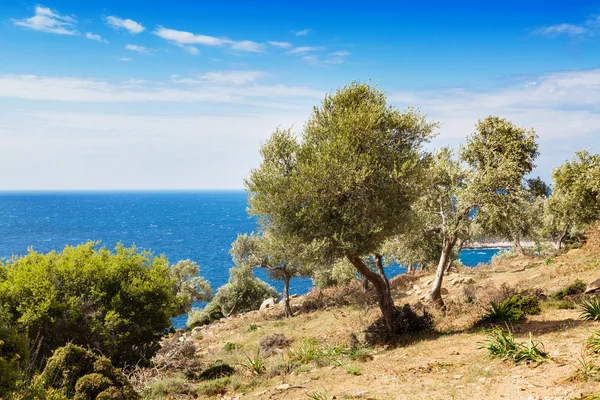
{"x":447,"y":364}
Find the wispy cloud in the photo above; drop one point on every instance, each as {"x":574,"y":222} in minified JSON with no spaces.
{"x":97,"y":38}
{"x":280,"y":45}
{"x":342,"y":53}
{"x":46,"y":20}
{"x":139,"y":49}
{"x":217,"y":87}
{"x":304,"y":49}
{"x":589,"y":27}
{"x":222,"y":77}
{"x":182,"y":38}
{"x":129,"y":25}
{"x":125,"y":59}
{"x":303,"y":32}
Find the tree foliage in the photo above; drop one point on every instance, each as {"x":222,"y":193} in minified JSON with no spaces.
{"x":575,"y":200}
{"x":347,"y":184}
{"x":118,"y":302}
{"x":189,"y":285}
{"x":14,"y":354}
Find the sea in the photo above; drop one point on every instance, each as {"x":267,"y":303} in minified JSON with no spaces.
{"x":195,"y":225}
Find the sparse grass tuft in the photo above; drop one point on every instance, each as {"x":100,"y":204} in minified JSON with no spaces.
{"x":502,"y":344}
{"x":594,"y":342}
{"x":168,"y":387}
{"x":353,"y":371}
{"x":230,"y":346}
{"x":255,"y":365}
{"x":252,"y":327}
{"x":590,"y":309}
{"x":319,"y":395}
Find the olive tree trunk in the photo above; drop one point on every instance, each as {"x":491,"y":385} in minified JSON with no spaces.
{"x":382,"y":287}
{"x":562,"y":237}
{"x":435,"y":293}
{"x":286,"y":294}
{"x":517,"y":245}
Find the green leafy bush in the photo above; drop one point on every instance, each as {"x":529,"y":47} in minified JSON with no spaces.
{"x":244,"y":292}
{"x":217,"y":370}
{"x":84,"y":375}
{"x":504,"y":254}
{"x":167,"y":388}
{"x":575,"y":288}
{"x":502,"y":344}
{"x":120,"y":302}
{"x":513,"y":309}
{"x":590,"y":309}
{"x":14,"y":352}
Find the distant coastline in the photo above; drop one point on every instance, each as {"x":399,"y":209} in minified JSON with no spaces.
{"x":496,"y":244}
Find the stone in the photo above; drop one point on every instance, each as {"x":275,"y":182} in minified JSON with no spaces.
{"x":268,"y":303}
{"x":458,"y":376}
{"x":283,"y":387}
{"x":444,"y":291}
{"x":416,"y":287}
{"x":593,"y":287}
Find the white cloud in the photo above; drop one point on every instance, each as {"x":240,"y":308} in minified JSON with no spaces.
{"x":342,"y":53}
{"x":139,"y":49}
{"x":191,"y":49}
{"x":97,"y":38}
{"x":304,"y":49}
{"x":303,"y":32}
{"x":281,"y":45}
{"x":125,"y":59}
{"x":216,"y":87}
{"x":590,"y":27}
{"x":181,"y":38}
{"x":127,"y":24}
{"x":46,"y":20}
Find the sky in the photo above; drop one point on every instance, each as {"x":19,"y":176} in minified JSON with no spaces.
{"x":128,"y":95}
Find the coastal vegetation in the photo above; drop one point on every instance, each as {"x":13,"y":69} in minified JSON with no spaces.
{"x":354,"y":192}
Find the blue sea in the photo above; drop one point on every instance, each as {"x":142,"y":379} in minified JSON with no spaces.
{"x":199,"y":225}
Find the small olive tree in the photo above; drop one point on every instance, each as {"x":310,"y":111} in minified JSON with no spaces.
{"x":485,"y":179}
{"x":348,"y":183}
{"x":282,"y":257}
{"x":189,"y":286}
{"x":575,"y":199}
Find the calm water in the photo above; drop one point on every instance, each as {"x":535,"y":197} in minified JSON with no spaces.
{"x":197,"y":225}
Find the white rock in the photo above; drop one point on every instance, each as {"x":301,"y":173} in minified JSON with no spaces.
{"x":268,"y":303}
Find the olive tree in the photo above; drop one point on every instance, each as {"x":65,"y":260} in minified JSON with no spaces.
{"x":347,"y":184}
{"x":575,"y":199}
{"x":188,"y":285}
{"x":282,"y":257}
{"x":490,"y":170}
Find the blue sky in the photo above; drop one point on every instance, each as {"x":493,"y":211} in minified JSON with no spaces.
{"x":180,"y":94}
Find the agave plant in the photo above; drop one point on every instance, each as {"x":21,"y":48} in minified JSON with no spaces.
{"x":590,"y":309}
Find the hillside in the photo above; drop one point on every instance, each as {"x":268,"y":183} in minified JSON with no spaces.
{"x":324,"y":359}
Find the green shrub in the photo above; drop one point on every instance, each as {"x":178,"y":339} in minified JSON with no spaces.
{"x":504,"y":254}
{"x":82,"y":374}
{"x":244,"y":292}
{"x":502,"y":344}
{"x":14,"y":353}
{"x":353,"y":371}
{"x":166,"y":388}
{"x":513,"y":309}
{"x":215,"y":387}
{"x":120,"y":302}
{"x":590,"y":309}
{"x":255,"y":364}
{"x":577,"y":287}
{"x":217,"y":370}
{"x":594,"y":342}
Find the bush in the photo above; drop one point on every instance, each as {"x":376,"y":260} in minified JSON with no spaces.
{"x":215,"y":387}
{"x":14,"y":353}
{"x":244,"y":292}
{"x":406,"y":320}
{"x":217,"y":370}
{"x":270,"y":344}
{"x":513,"y":309}
{"x":83,"y":375}
{"x":120,"y":302}
{"x":590,"y":309}
{"x":341,"y":273}
{"x":504,"y":254}
{"x":575,"y":288}
{"x":502,"y":344}
{"x":166,"y":388}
